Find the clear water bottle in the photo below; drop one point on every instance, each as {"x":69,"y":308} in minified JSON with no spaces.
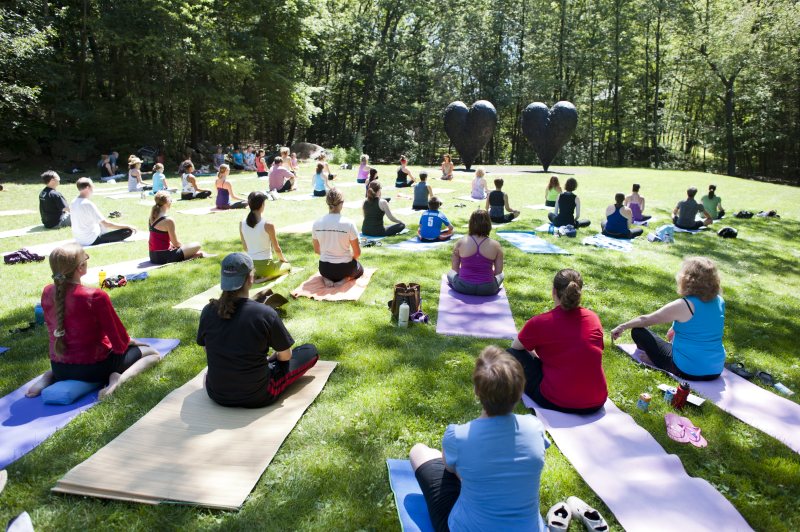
{"x":402,"y":315}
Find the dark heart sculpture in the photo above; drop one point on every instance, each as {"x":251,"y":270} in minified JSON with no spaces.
{"x":470,"y":128}
{"x":547,"y":130}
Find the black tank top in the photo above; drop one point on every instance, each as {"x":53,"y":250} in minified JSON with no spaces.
{"x":401,"y":176}
{"x":373,"y":218}
{"x":566,"y":209}
{"x":497,"y":203}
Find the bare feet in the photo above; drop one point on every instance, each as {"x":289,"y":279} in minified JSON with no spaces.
{"x":328,"y":283}
{"x":340,"y":283}
{"x":41,"y":384}
{"x":113,"y":382}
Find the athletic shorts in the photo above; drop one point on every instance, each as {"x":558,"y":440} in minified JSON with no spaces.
{"x":166,"y":256}
{"x":335,"y":271}
{"x":441,"y":489}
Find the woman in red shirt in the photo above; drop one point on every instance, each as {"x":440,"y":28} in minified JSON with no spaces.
{"x":561,"y":352}
{"x":87,"y":339}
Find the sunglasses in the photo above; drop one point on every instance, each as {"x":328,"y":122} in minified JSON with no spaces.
{"x":85,"y":260}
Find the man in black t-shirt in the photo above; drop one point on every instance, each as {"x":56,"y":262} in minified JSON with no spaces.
{"x":237,"y":333}
{"x":53,"y":207}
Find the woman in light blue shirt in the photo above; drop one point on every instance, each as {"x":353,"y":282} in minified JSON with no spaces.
{"x":693,"y":349}
{"x":320,"y":181}
{"x":487,"y":475}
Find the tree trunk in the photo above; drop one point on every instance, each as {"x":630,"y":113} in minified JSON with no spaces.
{"x":729,"y":138}
{"x":617,"y":76}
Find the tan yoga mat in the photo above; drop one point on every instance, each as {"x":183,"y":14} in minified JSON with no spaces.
{"x":314,"y":288}
{"x":15,"y":213}
{"x":199,"y":301}
{"x":190,"y":450}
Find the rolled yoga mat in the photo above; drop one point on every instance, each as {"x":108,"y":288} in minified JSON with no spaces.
{"x":411,"y":507}
{"x":25,"y":422}
{"x":190,"y":450}
{"x":479,"y":316}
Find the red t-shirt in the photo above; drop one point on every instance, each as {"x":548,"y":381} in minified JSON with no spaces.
{"x":570,"y":346}
{"x":92,"y":326}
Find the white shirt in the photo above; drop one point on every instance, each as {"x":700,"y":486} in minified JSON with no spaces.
{"x":187,"y":186}
{"x":334,"y":233}
{"x":259,"y":246}
{"x":86,"y":220}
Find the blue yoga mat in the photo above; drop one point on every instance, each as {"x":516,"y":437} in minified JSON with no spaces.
{"x":4,"y":349}
{"x":529,"y":242}
{"x":25,"y":422}
{"x":415,"y":244}
{"x":411,"y":507}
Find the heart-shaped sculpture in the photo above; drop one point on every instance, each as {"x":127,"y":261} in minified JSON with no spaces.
{"x":470,"y":128}
{"x":547,"y":130}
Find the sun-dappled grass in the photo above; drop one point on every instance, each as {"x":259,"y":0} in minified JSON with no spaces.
{"x":395,"y":387}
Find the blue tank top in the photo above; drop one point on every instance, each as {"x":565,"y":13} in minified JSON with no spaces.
{"x":421,"y":194}
{"x":616,"y":223}
{"x":319,"y":183}
{"x":697,"y":347}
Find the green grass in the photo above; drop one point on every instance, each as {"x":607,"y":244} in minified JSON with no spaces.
{"x":394,"y":387}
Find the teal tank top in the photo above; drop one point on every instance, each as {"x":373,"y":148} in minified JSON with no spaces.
{"x":697,"y":347}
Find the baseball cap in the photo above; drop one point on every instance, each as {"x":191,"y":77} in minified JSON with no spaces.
{"x":235,"y":269}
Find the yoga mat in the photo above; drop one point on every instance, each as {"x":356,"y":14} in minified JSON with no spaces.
{"x":405,"y":211}
{"x":479,"y":316}
{"x":354,"y":204}
{"x":544,"y":228}
{"x":298,"y":197}
{"x":415,"y":244}
{"x":345,"y":184}
{"x":109,"y":191}
{"x":4,"y":349}
{"x":199,"y":301}
{"x":690,"y":231}
{"x":605,"y":242}
{"x":127,"y":195}
{"x":411,"y":507}
{"x":376,"y":238}
{"x":439,"y":191}
{"x":531,"y":243}
{"x":302,"y":227}
{"x":767,"y":411}
{"x":25,"y":422}
{"x":45,"y":249}
{"x":315,"y":289}
{"x":22,"y":231}
{"x":190,"y":450}
{"x":538,"y":207}
{"x":470,"y":198}
{"x":209,"y":209}
{"x":646,"y":222}
{"x":126,"y":268}
{"x":644,"y":487}
{"x":15,"y":213}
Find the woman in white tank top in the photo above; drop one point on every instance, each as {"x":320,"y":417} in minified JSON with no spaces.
{"x":259,"y":241}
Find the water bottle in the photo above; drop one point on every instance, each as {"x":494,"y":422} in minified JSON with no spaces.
{"x":38,"y":314}
{"x":551,"y":229}
{"x":402,"y":315}
{"x":681,"y":394}
{"x":101,"y":277}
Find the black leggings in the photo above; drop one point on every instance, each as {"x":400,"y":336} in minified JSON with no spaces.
{"x":659,"y":351}
{"x":283,"y":374}
{"x":112,"y":236}
{"x":287,"y":186}
{"x":532,"y":366}
{"x":334,"y":271}
{"x":633,"y":232}
{"x":696,"y":225}
{"x":99,"y":371}
{"x":578,"y":223}
{"x":195,"y":195}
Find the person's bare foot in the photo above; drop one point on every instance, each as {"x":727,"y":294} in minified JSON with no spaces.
{"x":340,"y":283}
{"x":36,"y":389}
{"x":328,"y":283}
{"x":113,"y":382}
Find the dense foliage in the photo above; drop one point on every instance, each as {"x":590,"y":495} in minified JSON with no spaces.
{"x":687,"y":83}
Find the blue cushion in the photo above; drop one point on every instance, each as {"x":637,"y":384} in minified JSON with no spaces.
{"x":67,"y":392}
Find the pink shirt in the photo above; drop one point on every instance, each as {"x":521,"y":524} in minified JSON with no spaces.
{"x":278,"y":175}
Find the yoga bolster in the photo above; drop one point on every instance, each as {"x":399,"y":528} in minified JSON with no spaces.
{"x":67,"y":392}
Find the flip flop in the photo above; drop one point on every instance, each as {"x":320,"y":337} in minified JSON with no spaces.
{"x":692,"y":432}
{"x":262,"y":295}
{"x":738,"y":369}
{"x":419,"y":317}
{"x":559,"y":516}
{"x":675,"y":429}
{"x":590,"y":517}
{"x":766,"y":378}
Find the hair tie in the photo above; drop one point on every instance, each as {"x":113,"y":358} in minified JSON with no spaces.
{"x":59,"y":333}
{"x":59,"y":277}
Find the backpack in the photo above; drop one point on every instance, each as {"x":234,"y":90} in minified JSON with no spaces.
{"x":410,"y":293}
{"x":665,"y":233}
{"x":728,"y":232}
{"x":744,"y":214}
{"x":567,"y":230}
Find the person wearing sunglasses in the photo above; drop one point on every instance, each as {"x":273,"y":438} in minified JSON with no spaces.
{"x":335,"y":240}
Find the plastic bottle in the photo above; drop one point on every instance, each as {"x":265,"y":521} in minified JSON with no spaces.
{"x":38,"y":314}
{"x":101,"y":277}
{"x":681,"y":394}
{"x":402,"y":315}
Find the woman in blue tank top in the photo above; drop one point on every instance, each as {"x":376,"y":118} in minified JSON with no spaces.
{"x":618,"y":220}
{"x":693,"y":349}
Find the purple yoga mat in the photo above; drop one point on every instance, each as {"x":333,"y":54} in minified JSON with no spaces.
{"x":26,"y":422}
{"x":759,"y":408}
{"x":646,"y":488}
{"x":480,"y":316}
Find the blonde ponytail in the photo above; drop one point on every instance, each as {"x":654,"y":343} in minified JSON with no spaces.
{"x":63,"y":263}
{"x":161,"y":198}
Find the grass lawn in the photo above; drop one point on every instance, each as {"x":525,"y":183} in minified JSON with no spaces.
{"x":395,"y":387}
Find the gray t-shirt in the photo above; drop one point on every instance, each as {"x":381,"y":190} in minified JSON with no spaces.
{"x":687,"y":211}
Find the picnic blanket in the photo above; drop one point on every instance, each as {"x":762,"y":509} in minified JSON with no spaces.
{"x":479,"y":316}
{"x":604,"y":242}
{"x":768,"y":412}
{"x":315,"y":289}
{"x":530,"y":242}
{"x":199,"y":301}
{"x":411,"y":506}
{"x":415,"y":244}
{"x":188,"y":449}
{"x":644,"y":487}
{"x":25,"y":422}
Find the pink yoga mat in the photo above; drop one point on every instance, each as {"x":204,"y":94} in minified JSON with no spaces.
{"x":646,"y":488}
{"x":480,"y":316}
{"x":759,"y":408}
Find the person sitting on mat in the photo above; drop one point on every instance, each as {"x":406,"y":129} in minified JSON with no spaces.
{"x":431,"y":223}
{"x":160,"y":180}
{"x":335,"y":240}
{"x":480,"y":189}
{"x":373,"y":176}
{"x":164,"y":244}
{"x":249,"y":159}
{"x":238,"y":159}
{"x":447,"y":167}
{"x":497,"y":204}
{"x":280,"y":178}
{"x":261,"y":164}
{"x":319,"y":182}
{"x":89,"y":227}
{"x":693,"y":349}
{"x":225,"y":191}
{"x":552,"y":191}
{"x":218,"y":158}
{"x":635,"y":202}
{"x":618,"y":220}
{"x":88,"y":342}
{"x":363,"y":170}
{"x":294,"y":164}
{"x":684,"y":215}
{"x":237,"y":334}
{"x":477,"y":263}
{"x":322,"y":158}
{"x":487,"y":475}
{"x":135,"y":182}
{"x":568,"y":207}
{"x":713,"y":203}
{"x":403,"y":171}
{"x":189,"y":188}
{"x":259,"y":239}
{"x":53,"y":206}
{"x":374,"y":209}
{"x":422,"y":193}
{"x":561,"y":352}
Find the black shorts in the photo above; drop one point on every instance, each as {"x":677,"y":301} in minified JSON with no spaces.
{"x":693,"y":227}
{"x":320,"y":193}
{"x":502,"y":219}
{"x":441,"y":489}
{"x":99,"y":371}
{"x":166,"y":256}
{"x":262,"y":174}
{"x":335,"y":271}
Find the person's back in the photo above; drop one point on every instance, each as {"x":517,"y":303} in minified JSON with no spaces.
{"x":497,"y":203}
{"x":616,"y":223}
{"x":259,"y":246}
{"x":223,"y":197}
{"x":430,"y":224}
{"x":476,"y":268}
{"x":420,"y":196}
{"x":158,"y":181}
{"x":51,"y":207}
{"x":85,"y":221}
{"x":687,"y":213}
{"x":697,"y":347}
{"x":566,"y":209}
{"x":278,"y":176}
{"x":478,"y":188}
{"x":711,"y":205}
{"x":373,"y":218}
{"x":334,"y":233}
{"x":552,"y":194}
{"x":401,"y":180}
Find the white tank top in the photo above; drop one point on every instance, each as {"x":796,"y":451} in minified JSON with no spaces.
{"x":187,"y":187}
{"x":258,"y":245}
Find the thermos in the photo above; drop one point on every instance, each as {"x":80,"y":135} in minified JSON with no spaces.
{"x":402,"y":315}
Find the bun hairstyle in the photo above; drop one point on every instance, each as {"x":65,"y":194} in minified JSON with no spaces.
{"x":373,"y":190}
{"x":334,"y":199}
{"x":712,"y":191}
{"x":64,"y":261}
{"x":277,"y":161}
{"x":320,"y":168}
{"x":403,"y":159}
{"x":619,"y":197}
{"x":480,"y":171}
{"x":158,"y":167}
{"x":568,"y":285}
{"x":161,"y":198}
{"x":636,"y":187}
{"x":255,"y":200}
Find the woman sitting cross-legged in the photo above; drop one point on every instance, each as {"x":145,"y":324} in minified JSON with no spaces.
{"x":375,"y":208}
{"x":259,"y":240}
{"x":568,"y":207}
{"x":561,"y":352}
{"x":618,"y":220}
{"x":477,"y":260}
{"x":88,"y":342}
{"x":237,"y":334}
{"x":487,"y":475}
{"x":164,"y":244}
{"x":189,"y":188}
{"x":335,"y":240}
{"x":497,"y":204}
{"x":225,"y":191}
{"x":693,"y":349}
{"x":319,"y":182}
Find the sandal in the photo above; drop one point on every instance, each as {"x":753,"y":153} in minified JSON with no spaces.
{"x":766,"y":378}
{"x":738,"y":369}
{"x":590,"y":517}
{"x":676,"y":430}
{"x":419,"y":317}
{"x":692,"y":433}
{"x":558,"y":516}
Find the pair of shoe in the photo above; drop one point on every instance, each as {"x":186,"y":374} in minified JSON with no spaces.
{"x":115,"y":282}
{"x":682,"y":430}
{"x":371,"y":243}
{"x":116,"y":214}
{"x":561,"y":513}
